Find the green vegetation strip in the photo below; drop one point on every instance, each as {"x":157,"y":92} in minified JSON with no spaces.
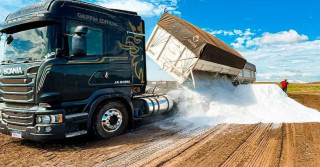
{"x":307,"y":88}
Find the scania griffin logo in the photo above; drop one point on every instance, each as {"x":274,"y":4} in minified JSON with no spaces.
{"x":13,"y":71}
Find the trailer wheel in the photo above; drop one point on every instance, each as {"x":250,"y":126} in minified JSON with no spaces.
{"x":111,"y":120}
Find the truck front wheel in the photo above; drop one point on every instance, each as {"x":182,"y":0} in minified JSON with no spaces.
{"x":111,"y":120}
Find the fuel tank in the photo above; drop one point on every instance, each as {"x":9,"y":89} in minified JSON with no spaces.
{"x":152,"y":105}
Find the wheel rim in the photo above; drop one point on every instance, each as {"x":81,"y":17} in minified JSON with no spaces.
{"x":111,"y":120}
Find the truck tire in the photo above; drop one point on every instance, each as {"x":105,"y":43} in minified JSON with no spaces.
{"x":110,"y":120}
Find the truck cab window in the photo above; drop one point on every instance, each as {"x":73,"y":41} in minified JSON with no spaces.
{"x":94,"y":40}
{"x":30,"y":45}
{"x":113,"y":38}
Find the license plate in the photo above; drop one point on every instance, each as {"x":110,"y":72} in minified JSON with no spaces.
{"x":16,"y":134}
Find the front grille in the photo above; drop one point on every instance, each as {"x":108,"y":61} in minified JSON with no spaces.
{"x":16,"y":81}
{"x":19,"y":105}
{"x":18,"y":120}
{"x":18,"y":96}
{"x":16,"y":127}
{"x":17,"y":90}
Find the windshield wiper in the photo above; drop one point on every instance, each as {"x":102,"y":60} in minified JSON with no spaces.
{"x":6,"y":61}
{"x":23,"y":58}
{"x":37,"y":60}
{"x":28,"y":60}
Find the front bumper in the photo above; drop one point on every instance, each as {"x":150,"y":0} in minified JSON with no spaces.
{"x":58,"y":131}
{"x":70,"y":127}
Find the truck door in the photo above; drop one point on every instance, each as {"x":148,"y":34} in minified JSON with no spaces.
{"x":78,"y":71}
{"x":125,"y":47}
{"x":119,"y":59}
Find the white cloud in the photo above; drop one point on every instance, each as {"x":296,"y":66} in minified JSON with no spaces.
{"x":282,"y":75}
{"x":300,"y":61}
{"x":299,"y":81}
{"x":302,"y":56}
{"x":248,"y":32}
{"x":283,"y":37}
{"x":225,"y":33}
{"x":144,"y":8}
{"x":240,"y":41}
{"x":290,"y":36}
{"x":284,"y":54}
{"x":238,"y":32}
{"x":243,"y":39}
{"x":244,"y":35}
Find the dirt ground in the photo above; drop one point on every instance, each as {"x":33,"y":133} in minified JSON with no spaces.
{"x":309,"y":100}
{"x":164,"y":143}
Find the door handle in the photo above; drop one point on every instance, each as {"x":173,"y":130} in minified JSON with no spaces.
{"x":106,"y":75}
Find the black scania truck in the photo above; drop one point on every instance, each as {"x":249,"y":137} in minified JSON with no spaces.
{"x":70,"y":68}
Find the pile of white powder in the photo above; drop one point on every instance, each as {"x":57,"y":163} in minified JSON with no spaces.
{"x":218,"y":101}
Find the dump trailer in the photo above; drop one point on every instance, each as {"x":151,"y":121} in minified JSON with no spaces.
{"x":187,"y":52}
{"x":70,"y":68}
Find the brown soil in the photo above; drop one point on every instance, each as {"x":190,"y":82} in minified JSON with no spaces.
{"x":166,"y":144}
{"x":309,"y":100}
{"x":222,"y":145}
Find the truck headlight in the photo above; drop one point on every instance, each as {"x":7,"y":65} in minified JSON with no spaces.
{"x":49,"y":119}
{"x":46,"y":119}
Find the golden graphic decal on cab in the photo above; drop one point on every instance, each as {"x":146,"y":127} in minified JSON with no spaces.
{"x":132,"y":42}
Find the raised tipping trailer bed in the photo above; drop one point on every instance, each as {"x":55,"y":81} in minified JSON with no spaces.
{"x":181,"y":48}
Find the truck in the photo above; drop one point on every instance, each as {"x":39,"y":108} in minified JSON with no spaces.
{"x":71,"y":68}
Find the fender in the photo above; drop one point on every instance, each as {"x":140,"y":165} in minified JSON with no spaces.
{"x":94,"y":105}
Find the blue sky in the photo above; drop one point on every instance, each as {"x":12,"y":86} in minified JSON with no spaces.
{"x":281,"y":37}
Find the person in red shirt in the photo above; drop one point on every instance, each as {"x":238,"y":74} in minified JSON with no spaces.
{"x":284,"y":85}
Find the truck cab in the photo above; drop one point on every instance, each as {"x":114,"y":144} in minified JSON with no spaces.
{"x":70,"y":68}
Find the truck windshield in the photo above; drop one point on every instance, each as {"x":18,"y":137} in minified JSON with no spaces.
{"x":30,"y":45}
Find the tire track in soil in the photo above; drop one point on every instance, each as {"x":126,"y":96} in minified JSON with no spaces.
{"x":288,"y":157}
{"x":168,"y":144}
{"x":281,"y":144}
{"x":269,"y":149}
{"x":161,"y":160}
{"x":180,"y":148}
{"x":83,"y":152}
{"x":260,"y":149}
{"x":143,"y":154}
{"x":209,"y":149}
{"x":301,"y":145}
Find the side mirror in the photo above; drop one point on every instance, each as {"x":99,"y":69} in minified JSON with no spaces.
{"x":79,"y":41}
{"x":9,"y":39}
{"x":59,"y":53}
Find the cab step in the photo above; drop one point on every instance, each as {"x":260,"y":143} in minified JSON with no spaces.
{"x":77,"y":133}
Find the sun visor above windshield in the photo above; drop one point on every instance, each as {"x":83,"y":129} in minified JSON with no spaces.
{"x":41,"y":6}
{"x":28,"y":14}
